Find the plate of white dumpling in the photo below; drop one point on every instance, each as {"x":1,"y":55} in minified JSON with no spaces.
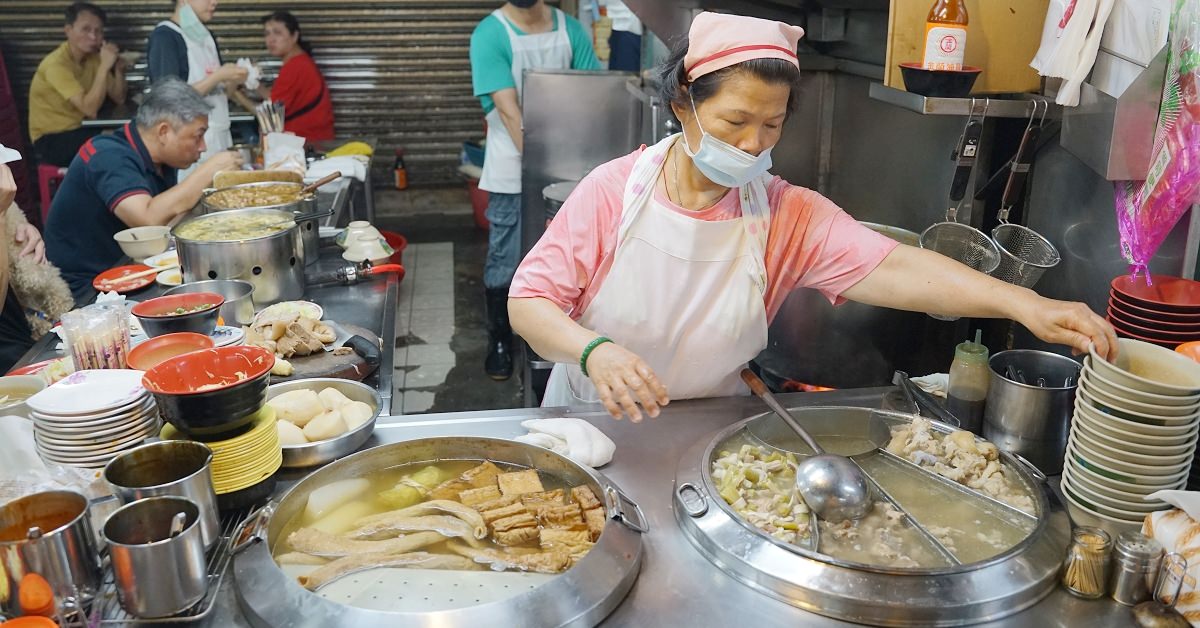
{"x":322,"y":419}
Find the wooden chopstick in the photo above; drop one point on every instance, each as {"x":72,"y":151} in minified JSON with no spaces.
{"x":138,"y":275}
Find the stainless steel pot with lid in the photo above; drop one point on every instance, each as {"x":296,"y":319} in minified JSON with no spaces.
{"x":273,"y":263}
{"x":307,"y":204}
{"x":957,"y":592}
{"x":580,"y":596}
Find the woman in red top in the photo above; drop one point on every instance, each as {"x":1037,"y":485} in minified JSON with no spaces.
{"x":307,"y":107}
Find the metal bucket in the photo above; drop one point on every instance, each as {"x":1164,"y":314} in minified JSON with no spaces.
{"x":1024,"y":254}
{"x":273,"y":264}
{"x":62,"y":550}
{"x":309,"y":229}
{"x":179,"y":468}
{"x":157,"y":574}
{"x":1028,"y":419}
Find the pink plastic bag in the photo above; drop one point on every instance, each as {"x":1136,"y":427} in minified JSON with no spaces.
{"x":1147,"y":211}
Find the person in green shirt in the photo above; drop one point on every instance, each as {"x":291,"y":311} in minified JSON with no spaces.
{"x":521,"y":35}
{"x":71,"y":84}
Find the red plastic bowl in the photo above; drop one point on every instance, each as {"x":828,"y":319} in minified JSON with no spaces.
{"x":213,"y":391}
{"x":1171,"y":294}
{"x":162,"y":348}
{"x":1126,"y":304}
{"x":1124,"y":333}
{"x":398,"y":244}
{"x":1151,"y":322}
{"x":1151,"y":332}
{"x":158,"y":315}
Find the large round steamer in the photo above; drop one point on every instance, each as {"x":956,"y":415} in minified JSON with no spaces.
{"x":581,"y":596}
{"x":887,"y":596}
{"x":272,"y":263}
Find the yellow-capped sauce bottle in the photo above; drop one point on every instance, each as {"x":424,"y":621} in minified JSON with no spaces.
{"x":946,"y":35}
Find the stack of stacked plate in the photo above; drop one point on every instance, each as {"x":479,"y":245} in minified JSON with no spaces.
{"x":1133,"y":433}
{"x":1165,"y":313}
{"x":245,"y":460}
{"x":89,"y":417}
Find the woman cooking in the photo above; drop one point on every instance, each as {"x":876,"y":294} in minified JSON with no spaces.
{"x":307,"y":107}
{"x":184,"y":48}
{"x":660,"y":275}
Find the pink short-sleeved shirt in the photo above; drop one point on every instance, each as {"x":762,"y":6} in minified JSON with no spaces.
{"x":812,"y":242}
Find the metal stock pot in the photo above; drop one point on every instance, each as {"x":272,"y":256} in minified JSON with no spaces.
{"x":213,"y":201}
{"x":272,"y":263}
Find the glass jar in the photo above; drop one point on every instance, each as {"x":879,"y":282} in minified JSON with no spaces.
{"x":1085,"y":570}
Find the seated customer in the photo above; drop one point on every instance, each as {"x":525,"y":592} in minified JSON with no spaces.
{"x":128,"y":179}
{"x":307,"y":107}
{"x":71,"y":84}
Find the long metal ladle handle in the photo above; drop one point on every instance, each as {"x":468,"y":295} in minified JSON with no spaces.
{"x":760,"y":389}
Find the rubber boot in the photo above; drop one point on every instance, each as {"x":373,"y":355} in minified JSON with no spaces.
{"x":499,"y":361}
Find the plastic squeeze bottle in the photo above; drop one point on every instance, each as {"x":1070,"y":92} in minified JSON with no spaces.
{"x":969,"y":379}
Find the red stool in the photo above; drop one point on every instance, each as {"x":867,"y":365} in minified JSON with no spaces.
{"x":49,"y":178}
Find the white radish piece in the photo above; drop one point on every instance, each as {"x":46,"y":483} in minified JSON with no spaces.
{"x":323,"y":500}
{"x":342,"y":519}
{"x":289,"y":434}
{"x":356,"y":413}
{"x":327,"y":425}
{"x":297,"y":406}
{"x":333,"y":398}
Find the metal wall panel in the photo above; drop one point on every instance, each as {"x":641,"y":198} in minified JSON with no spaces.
{"x":398,"y":70}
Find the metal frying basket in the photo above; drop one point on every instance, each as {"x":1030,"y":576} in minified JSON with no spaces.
{"x":1024,"y":254}
{"x":963,"y":243}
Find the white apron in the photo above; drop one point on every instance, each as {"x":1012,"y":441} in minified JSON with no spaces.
{"x":685,"y":295}
{"x":202,"y":61}
{"x":539,"y":51}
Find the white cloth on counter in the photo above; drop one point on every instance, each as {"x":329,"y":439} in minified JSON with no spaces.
{"x":252,"y":72}
{"x":22,"y":471}
{"x":935,"y":384}
{"x":1179,"y":532}
{"x":348,"y":165}
{"x":8,"y":155}
{"x":574,"y":438}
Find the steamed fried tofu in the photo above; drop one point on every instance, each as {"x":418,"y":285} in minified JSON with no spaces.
{"x":595,"y":519}
{"x":499,"y":502}
{"x":450,"y":489}
{"x":475,"y":496}
{"x":519,"y":536}
{"x":521,"y":520}
{"x":562,"y":516}
{"x":507,"y":511}
{"x":482,"y":475}
{"x":520,"y":482}
{"x":545,"y":498}
{"x":585,"y":497}
{"x":575,"y":543}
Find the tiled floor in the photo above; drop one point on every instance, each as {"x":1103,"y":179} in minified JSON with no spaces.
{"x":426,"y":318}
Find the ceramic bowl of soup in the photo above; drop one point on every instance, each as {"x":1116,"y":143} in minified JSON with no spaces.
{"x":195,"y":312}
{"x":15,"y":389}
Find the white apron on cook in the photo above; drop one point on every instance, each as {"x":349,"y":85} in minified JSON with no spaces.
{"x":202,"y":61}
{"x":538,"y":51}
{"x":685,"y":295}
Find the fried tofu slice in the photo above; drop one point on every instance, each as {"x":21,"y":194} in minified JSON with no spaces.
{"x":449,"y":489}
{"x":482,"y":475}
{"x":510,"y":510}
{"x":545,"y":498}
{"x":519,"y":536}
{"x":595,"y":519}
{"x":584,"y":496}
{"x":520,"y":482}
{"x":475,"y":496}
{"x":564,"y":516}
{"x":499,"y":502}
{"x":522,"y":520}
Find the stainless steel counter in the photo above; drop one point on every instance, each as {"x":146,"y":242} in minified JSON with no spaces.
{"x":677,"y":586}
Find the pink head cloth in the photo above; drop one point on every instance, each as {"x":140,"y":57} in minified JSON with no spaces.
{"x":718,"y":40}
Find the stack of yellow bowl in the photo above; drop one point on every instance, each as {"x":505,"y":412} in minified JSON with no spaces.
{"x":244,"y":460}
{"x":1133,"y":433}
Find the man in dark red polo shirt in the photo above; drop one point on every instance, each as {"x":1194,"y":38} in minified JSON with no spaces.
{"x":128,"y":179}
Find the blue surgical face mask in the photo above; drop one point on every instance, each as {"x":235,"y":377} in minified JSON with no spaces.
{"x":191,"y":25}
{"x":725,"y":164}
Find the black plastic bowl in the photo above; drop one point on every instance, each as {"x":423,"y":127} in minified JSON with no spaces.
{"x":158,"y":316}
{"x":213,"y":391}
{"x":939,"y":83}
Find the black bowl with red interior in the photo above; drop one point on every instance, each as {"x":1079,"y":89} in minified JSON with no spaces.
{"x":939,"y":83}
{"x":195,"y":312}
{"x":211,"y":392}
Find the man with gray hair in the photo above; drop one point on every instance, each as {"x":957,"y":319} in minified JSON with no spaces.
{"x":128,"y":179}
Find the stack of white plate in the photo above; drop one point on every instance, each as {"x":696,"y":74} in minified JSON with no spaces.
{"x":89,"y":417}
{"x":1133,"y":433}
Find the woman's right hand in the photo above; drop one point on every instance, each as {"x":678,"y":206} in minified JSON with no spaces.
{"x":623,"y":381}
{"x":233,"y":73}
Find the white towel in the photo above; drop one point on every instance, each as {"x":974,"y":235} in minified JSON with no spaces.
{"x":935,"y":384}
{"x":1068,"y":94}
{"x":252,"y":72}
{"x":348,"y":165}
{"x":574,"y":438}
{"x":8,"y":155}
{"x":1070,"y":41}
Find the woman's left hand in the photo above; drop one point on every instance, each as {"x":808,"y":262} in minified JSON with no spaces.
{"x":31,"y":243}
{"x":1071,"y":324}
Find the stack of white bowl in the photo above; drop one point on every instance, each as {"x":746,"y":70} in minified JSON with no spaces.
{"x":91,"y":416}
{"x":1133,"y":433}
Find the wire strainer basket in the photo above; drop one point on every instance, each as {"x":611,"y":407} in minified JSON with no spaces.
{"x":1024,"y":254}
{"x":963,"y":243}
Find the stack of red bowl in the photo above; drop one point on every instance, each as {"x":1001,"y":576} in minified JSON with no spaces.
{"x":1165,"y":312}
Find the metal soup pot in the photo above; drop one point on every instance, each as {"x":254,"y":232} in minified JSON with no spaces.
{"x":273,"y":263}
{"x":580,"y":596}
{"x":306,"y":204}
{"x":49,"y":534}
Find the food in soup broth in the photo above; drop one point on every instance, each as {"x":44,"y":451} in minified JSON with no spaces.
{"x":222,"y":227}
{"x":463,"y":515}
{"x":254,"y":196}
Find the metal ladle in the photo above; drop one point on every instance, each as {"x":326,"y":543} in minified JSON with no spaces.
{"x":833,"y":486}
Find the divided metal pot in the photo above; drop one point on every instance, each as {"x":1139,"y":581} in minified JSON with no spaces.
{"x":273,"y":264}
{"x":581,"y":596}
{"x":309,"y":229}
{"x":964,"y":594}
